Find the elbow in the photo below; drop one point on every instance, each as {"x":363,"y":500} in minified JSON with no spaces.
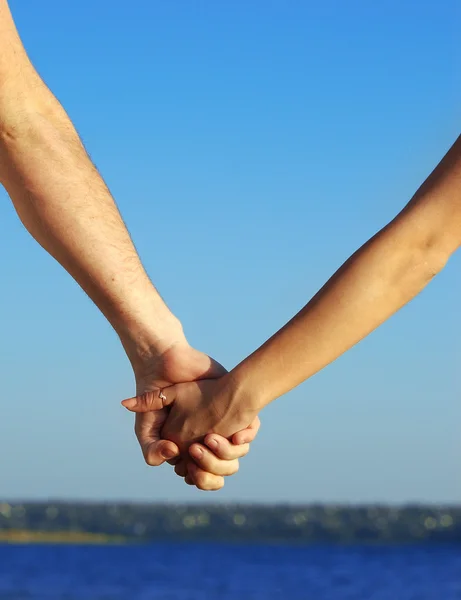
{"x":434,"y":255}
{"x":440,"y":244}
{"x":28,"y":112}
{"x":417,"y":262}
{"x":31,"y":144}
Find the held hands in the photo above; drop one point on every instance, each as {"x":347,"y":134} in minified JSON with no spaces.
{"x":189,"y":412}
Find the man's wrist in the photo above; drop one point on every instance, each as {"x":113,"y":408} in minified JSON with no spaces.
{"x":145,"y":343}
{"x":146,"y":327}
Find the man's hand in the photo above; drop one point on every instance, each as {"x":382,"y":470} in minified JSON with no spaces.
{"x":197,"y":409}
{"x":65,"y":205}
{"x":181,"y":363}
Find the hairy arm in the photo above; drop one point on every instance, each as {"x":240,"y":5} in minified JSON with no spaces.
{"x":65,"y":205}
{"x":374,"y":283}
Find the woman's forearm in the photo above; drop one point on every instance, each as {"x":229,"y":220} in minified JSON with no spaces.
{"x":380,"y":278}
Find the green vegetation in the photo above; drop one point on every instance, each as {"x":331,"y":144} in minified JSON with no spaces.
{"x":113,"y":523}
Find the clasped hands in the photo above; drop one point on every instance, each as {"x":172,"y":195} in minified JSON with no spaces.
{"x":188,"y":413}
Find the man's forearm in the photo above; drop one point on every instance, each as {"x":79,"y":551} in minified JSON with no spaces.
{"x":65,"y":205}
{"x":381,"y":277}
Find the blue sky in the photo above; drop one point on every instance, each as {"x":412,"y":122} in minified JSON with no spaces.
{"x":251,"y":148}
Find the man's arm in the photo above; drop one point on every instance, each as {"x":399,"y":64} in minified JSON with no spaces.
{"x":65,"y":205}
{"x":63,"y":202}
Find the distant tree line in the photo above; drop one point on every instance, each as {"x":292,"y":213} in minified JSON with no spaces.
{"x":281,"y":523}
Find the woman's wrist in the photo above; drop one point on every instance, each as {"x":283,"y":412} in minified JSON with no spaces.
{"x":248,"y":396}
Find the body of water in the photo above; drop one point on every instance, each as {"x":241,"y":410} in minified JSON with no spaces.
{"x":229,"y":572}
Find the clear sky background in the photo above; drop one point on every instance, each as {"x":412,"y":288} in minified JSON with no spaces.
{"x":251,"y":147}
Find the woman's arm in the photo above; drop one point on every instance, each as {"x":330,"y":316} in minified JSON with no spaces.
{"x":381,"y":277}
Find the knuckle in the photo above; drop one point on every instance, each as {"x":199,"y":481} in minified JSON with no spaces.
{"x":218,"y":485}
{"x":205,"y":460}
{"x":226,"y":452}
{"x":234,"y":453}
{"x":241,"y":439}
{"x":146,"y":400}
{"x":244,"y":450}
{"x":240,"y":451}
{"x":208,"y":462}
{"x":201,"y":481}
{"x":235,"y":467}
{"x":204,"y":481}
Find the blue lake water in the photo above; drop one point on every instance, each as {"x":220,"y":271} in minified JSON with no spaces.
{"x":225,"y":572}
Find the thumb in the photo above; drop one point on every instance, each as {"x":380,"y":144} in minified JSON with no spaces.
{"x":155,"y":399}
{"x":155,"y":450}
{"x":246,"y":436}
{"x":215,"y":370}
{"x":159,"y":451}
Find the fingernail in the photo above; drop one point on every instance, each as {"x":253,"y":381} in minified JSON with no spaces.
{"x":213,"y":443}
{"x":168,"y":453}
{"x":196,"y":451}
{"x":130,"y":403}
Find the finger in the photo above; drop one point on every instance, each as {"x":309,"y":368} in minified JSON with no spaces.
{"x":247,"y":435}
{"x":156,"y":399}
{"x":224,"y":449}
{"x":204,"y":481}
{"x":181,"y":468}
{"x":208,"y":462}
{"x":156,"y":453}
{"x":189,"y":480}
{"x":147,"y":429}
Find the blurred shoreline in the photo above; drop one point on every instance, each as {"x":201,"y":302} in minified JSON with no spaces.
{"x":13,"y":536}
{"x":109,"y":523}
